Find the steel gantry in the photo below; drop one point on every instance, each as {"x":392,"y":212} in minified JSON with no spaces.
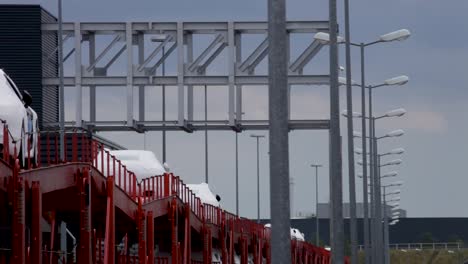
{"x":186,"y":68}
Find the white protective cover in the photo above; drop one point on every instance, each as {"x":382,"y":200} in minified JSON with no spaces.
{"x":295,"y":233}
{"x":141,"y":162}
{"x":203,"y":192}
{"x":12,"y":110}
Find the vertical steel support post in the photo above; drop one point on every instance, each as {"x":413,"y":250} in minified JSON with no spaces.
{"x":167,"y":177}
{"x":78,"y":74}
{"x":238,"y":56}
{"x":254,"y":242}
{"x":206,"y":134}
{"x":141,"y":223}
{"x":223,"y":242}
{"x":92,"y":88}
{"x":173,"y":221}
{"x":237,"y":172}
{"x":84,"y":251}
{"x":188,"y":235}
{"x":62,"y":256}
{"x":129,"y":88}
{"x":336,"y":177}
{"x":231,"y":242}
{"x":109,"y":243}
{"x":232,"y":72}
{"x":19,"y":216}
{"x":279,"y":128}
{"x":36,"y":216}
{"x":180,"y":74}
{"x":163,"y":107}
{"x":189,"y":43}
{"x":150,"y":236}
{"x":244,"y":251}
{"x":210,"y":245}
{"x":141,"y":88}
{"x":52,"y":236}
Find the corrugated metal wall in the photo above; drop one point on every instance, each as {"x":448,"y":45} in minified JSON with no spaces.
{"x":49,"y":69}
{"x":21,"y":54}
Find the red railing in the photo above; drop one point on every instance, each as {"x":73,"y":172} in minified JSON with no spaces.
{"x":84,"y":149}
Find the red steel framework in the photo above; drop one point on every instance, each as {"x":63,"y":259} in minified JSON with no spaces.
{"x":115,"y":218}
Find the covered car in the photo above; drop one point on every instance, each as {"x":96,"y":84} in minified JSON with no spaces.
{"x":142,"y":163}
{"x":15,"y":111}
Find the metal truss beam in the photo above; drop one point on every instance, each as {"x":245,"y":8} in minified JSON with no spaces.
{"x":306,"y":56}
{"x":194,"y":27}
{"x":172,"y":125}
{"x":255,"y":54}
{"x":137,"y":68}
{"x":191,"y":80}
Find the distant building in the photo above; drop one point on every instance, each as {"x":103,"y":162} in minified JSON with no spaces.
{"x":324,"y":210}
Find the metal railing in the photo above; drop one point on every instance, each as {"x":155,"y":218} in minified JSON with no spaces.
{"x":81,"y":148}
{"x":424,"y":246}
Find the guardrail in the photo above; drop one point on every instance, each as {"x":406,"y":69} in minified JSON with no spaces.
{"x":424,"y":246}
{"x":81,"y":148}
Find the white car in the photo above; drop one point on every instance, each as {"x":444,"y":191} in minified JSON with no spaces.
{"x":22,"y":122}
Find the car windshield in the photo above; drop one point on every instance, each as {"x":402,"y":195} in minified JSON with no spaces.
{"x":13,"y":86}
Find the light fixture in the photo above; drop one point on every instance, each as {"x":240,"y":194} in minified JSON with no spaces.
{"x":324,"y":38}
{"x":397,"y":151}
{"x":355,"y":114}
{"x":390,"y":174}
{"x":398,"y":35}
{"x":399,"y":80}
{"x":395,"y":133}
{"x":396,"y":113}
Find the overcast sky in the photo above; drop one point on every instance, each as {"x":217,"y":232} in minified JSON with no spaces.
{"x":435,"y":59}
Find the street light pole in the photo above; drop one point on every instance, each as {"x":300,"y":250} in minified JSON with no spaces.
{"x":364,"y":151}
{"x":336,"y":177}
{"x":317,"y":229}
{"x":279,"y":129}
{"x":258,"y":137}
{"x":349,"y":103}
{"x":386,"y":240}
{"x":372,"y":176}
{"x":378,"y":199}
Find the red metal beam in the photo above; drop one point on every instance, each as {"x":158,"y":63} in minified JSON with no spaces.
{"x":150,"y":237}
{"x":141,"y":232}
{"x":231,"y":241}
{"x":84,"y":250}
{"x":188,"y":235}
{"x":18,"y":222}
{"x":36,"y":232}
{"x":244,"y":250}
{"x":173,"y":221}
{"x":52,"y":235}
{"x":222,"y":236}
{"x":122,"y":200}
{"x":109,"y":242}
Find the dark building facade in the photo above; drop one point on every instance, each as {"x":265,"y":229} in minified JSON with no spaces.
{"x":27,"y":55}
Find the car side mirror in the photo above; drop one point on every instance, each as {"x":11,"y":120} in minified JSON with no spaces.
{"x":27,"y":98}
